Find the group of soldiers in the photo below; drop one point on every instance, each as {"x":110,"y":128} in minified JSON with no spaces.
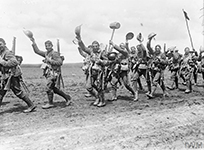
{"x":105,"y":67}
{"x":124,"y":64}
{"x":11,"y":74}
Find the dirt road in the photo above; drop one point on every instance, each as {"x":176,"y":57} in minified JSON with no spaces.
{"x":175,"y":122}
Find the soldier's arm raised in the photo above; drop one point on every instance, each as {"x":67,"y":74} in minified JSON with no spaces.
{"x":127,"y":46}
{"x":149,"y":48}
{"x":82,"y":53}
{"x":36,"y":49}
{"x":83,"y":47}
{"x":120,"y":50}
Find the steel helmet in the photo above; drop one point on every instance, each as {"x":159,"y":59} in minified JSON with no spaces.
{"x":129,"y":36}
{"x":78,"y":30}
{"x":151,"y":35}
{"x":115,"y":25}
{"x":28,"y":33}
{"x":140,"y":38}
{"x":112,"y":56}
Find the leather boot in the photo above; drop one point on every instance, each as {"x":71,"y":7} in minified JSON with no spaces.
{"x":176,"y":82}
{"x":171,"y":87}
{"x":101,"y":100}
{"x":93,"y":92}
{"x":67,"y":97}
{"x":114,"y":96}
{"x":96,"y":101}
{"x":150,"y":95}
{"x":140,"y":84}
{"x":189,"y":88}
{"x":136,"y":96}
{"x":50,"y":104}
{"x":30,"y":104}
{"x":2,"y":94}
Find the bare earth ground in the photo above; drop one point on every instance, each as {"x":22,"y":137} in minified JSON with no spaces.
{"x":171,"y":123}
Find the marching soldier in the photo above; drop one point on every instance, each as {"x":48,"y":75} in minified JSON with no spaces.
{"x":174,"y":58}
{"x":133,"y":63}
{"x":10,"y":76}
{"x":52,"y":72}
{"x":187,"y":69}
{"x":141,"y":67}
{"x":121,"y":70}
{"x":94,"y":82}
{"x":158,"y":66}
{"x":201,"y":64}
{"x":86,"y":65}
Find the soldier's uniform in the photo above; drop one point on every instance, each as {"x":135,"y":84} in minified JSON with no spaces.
{"x":133,"y":66}
{"x":157,"y":66}
{"x":10,"y":76}
{"x":94,"y":82}
{"x":121,"y":69}
{"x":187,"y":69}
{"x":141,"y":67}
{"x":86,"y":65}
{"x":51,"y":71}
{"x":201,"y":64}
{"x":174,"y":59}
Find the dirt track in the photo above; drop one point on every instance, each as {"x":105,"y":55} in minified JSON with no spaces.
{"x":160,"y":123}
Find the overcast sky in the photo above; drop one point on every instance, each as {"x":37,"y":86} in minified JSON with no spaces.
{"x":57,"y":19}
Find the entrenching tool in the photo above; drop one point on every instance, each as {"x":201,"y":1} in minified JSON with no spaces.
{"x":114,"y":25}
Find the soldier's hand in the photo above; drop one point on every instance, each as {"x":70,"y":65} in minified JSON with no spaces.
{"x":32,"y":39}
{"x":78,"y":38}
{"x":111,"y":43}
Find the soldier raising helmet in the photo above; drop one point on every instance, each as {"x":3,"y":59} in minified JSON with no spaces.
{"x":157,"y":66}
{"x":52,"y":72}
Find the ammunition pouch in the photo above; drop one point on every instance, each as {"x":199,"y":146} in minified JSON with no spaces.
{"x":85,"y":68}
{"x":45,"y":69}
{"x":174,"y":67}
{"x":124,"y":67}
{"x":142,"y":66}
{"x":95,"y":70}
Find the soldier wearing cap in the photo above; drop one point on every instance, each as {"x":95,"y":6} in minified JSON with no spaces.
{"x":158,"y":65}
{"x":51,"y":67}
{"x":10,"y":76}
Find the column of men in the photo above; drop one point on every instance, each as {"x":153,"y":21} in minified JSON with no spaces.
{"x":146,"y":61}
{"x":104,"y":67}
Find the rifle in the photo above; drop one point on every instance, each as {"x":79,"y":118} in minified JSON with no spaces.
{"x":60,"y":79}
{"x":19,"y":59}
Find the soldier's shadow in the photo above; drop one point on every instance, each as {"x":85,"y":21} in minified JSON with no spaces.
{"x":18,"y":109}
{"x":61,"y":104}
{"x":124,"y":97}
